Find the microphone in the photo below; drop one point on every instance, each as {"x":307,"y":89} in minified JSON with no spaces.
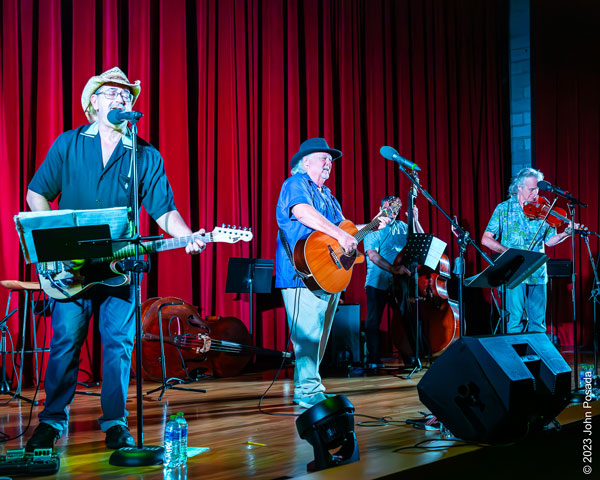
{"x":392,"y":154}
{"x":547,"y":187}
{"x":116,"y":116}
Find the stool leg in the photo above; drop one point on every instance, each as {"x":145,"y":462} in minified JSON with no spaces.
{"x":23,"y":338}
{"x":17,"y":394}
{"x":34,"y":333}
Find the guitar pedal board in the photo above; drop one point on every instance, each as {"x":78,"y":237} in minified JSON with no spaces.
{"x":43,"y":461}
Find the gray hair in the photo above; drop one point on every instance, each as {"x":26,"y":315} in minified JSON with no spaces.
{"x":300,"y":167}
{"x":519,"y":179}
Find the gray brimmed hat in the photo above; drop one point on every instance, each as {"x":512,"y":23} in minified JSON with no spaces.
{"x":313,"y":145}
{"x":114,"y":75}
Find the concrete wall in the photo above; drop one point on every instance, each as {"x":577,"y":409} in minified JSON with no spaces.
{"x":520,"y":85}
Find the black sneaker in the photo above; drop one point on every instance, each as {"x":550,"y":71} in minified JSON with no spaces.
{"x":44,"y":436}
{"x":119,"y":436}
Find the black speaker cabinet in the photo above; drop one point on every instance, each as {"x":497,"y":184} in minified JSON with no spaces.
{"x":497,"y":389}
{"x":344,"y":340}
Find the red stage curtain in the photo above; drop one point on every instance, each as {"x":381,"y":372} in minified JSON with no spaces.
{"x":230,"y":89}
{"x":566,"y":43}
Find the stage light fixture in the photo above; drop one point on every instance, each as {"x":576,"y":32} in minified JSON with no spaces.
{"x":327,"y":426}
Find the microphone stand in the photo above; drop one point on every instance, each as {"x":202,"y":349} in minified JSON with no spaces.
{"x":572,"y":203}
{"x":463,"y":239}
{"x":140,"y":455}
{"x":595,"y":298}
{"x":418,"y":365}
{"x":571,"y":206}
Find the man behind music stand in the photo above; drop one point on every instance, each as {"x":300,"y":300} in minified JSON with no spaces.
{"x":94,"y":166}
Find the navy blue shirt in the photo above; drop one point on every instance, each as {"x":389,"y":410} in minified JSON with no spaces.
{"x":299,"y":188}
{"x":73,"y":168}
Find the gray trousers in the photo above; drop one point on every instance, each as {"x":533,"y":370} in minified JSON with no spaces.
{"x":309,"y":320}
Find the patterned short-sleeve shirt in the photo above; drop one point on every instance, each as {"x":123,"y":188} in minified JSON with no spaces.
{"x":513,"y":229}
{"x":387,"y":242}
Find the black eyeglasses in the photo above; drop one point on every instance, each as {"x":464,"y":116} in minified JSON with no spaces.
{"x":112,"y":93}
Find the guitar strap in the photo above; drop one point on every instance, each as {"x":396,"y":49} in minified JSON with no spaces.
{"x":288,"y":251}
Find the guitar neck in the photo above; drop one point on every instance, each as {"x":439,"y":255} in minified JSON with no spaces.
{"x":368,"y":228}
{"x":390,"y":211}
{"x":158,"y":246}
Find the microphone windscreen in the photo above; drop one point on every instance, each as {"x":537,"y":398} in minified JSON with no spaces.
{"x":115,"y":116}
{"x":388,"y":152}
{"x":544,"y":185}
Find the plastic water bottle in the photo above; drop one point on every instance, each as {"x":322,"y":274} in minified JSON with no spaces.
{"x":172,"y":457}
{"x":183,"y":430}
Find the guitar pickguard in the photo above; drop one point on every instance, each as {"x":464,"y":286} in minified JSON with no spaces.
{"x":62,"y":283}
{"x":58,"y":277}
{"x":348,"y":260}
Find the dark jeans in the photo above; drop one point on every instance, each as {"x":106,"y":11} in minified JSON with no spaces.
{"x":377,"y":300}
{"x":70,"y":322}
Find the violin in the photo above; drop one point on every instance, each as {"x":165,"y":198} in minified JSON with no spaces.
{"x":540,"y":208}
{"x":218,"y":346}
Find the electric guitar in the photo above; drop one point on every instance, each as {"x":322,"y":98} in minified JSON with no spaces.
{"x":62,"y":282}
{"x":324,"y":266}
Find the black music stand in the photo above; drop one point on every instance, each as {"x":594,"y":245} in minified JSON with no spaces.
{"x":509,"y":270}
{"x":252,"y":275}
{"x":67,"y":243}
{"x":417,"y":252}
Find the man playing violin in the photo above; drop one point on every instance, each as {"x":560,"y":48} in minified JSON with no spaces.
{"x":510,"y":228}
{"x":89,"y":168}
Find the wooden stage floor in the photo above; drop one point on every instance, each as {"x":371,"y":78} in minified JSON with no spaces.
{"x":226,"y":418}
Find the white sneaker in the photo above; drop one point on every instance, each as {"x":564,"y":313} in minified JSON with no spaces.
{"x":312,"y":400}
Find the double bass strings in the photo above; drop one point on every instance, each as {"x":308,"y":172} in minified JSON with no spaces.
{"x":191,"y":341}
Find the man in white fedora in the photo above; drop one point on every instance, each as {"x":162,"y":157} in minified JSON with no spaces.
{"x":89,"y":167}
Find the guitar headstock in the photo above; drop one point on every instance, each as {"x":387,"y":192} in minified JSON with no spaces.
{"x":231,"y":234}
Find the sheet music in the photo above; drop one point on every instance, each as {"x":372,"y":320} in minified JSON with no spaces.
{"x":26,"y":222}
{"x":436,"y":250}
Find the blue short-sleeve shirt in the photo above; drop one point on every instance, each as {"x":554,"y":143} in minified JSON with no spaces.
{"x":73,"y":168}
{"x":299,"y":188}
{"x":513,"y":229}
{"x":387,"y":242}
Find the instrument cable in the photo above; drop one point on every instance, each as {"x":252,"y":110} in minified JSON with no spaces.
{"x":296,"y":312}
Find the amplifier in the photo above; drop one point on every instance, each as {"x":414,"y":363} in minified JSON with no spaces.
{"x":559,"y":268}
{"x":344,"y":341}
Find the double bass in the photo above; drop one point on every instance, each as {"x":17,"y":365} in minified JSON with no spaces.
{"x":438,"y":314}
{"x":217,"y":346}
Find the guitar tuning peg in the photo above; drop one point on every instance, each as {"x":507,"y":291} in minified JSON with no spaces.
{"x":245,"y":228}
{"x":228,"y":226}
{"x":249,"y":229}
{"x":234,"y":227}
{"x":222,"y":225}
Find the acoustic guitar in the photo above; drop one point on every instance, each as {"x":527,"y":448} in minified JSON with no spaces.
{"x":62,"y":282}
{"x":323,"y":264}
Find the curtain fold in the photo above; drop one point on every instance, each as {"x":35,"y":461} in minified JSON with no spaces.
{"x":229,"y":90}
{"x":567,"y":138}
